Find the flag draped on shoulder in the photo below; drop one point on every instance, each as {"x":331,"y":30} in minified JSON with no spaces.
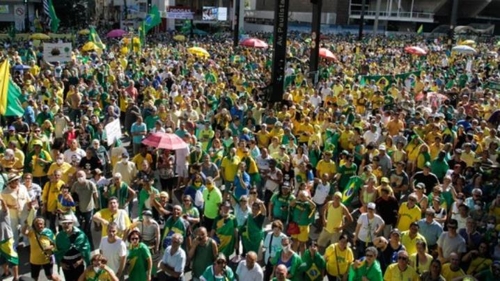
{"x":153,"y":19}
{"x":9,"y":93}
{"x":50,"y":12}
{"x":351,"y":189}
{"x":94,"y":37}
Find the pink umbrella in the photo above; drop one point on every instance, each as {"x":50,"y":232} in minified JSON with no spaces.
{"x":254,"y":43}
{"x":414,"y":50}
{"x":116,"y":33}
{"x":165,"y":141}
{"x":431,"y":95}
{"x":327,"y":54}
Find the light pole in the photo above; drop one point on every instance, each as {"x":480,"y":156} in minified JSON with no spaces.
{"x":362,"y":20}
{"x":315,"y":40}
{"x":26,"y":16}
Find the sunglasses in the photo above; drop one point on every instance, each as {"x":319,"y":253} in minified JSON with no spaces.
{"x":452,"y":227}
{"x":369,"y":255}
{"x":403,"y":258}
{"x":253,"y":192}
{"x":134,"y":238}
{"x":221,"y":262}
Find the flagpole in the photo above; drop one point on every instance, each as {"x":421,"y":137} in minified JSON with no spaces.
{"x":27,"y":17}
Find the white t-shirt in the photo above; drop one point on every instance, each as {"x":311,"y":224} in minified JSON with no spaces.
{"x":321,"y":193}
{"x":74,"y":156}
{"x":368,"y":227}
{"x":245,"y":274}
{"x":275,"y":245}
{"x":113,"y":251}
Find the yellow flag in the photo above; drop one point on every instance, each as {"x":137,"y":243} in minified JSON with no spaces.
{"x":4,"y":85}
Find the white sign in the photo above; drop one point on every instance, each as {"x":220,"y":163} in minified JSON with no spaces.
{"x":19,"y":16}
{"x":113,"y":131}
{"x":174,"y":12}
{"x":222,"y":14}
{"x":60,"y":52}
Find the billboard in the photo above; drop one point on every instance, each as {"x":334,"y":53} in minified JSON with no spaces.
{"x":181,"y":13}
{"x":214,"y":13}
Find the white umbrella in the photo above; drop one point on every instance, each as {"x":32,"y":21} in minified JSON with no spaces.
{"x":464,"y":49}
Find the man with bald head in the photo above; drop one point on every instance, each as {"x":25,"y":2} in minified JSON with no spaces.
{"x":248,"y":269}
{"x":280,"y":273}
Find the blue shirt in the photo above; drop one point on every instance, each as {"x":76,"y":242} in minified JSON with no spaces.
{"x":431,"y":231}
{"x":238,"y":187}
{"x":136,"y":128}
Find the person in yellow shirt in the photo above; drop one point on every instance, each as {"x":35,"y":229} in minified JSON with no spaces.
{"x":338,"y":257}
{"x":408,"y":212}
{"x":98,"y":270}
{"x":67,"y":170}
{"x":411,"y":237}
{"x":326,"y":166}
{"x":141,"y":156}
{"x":36,"y":163}
{"x":113,"y":214}
{"x":50,"y":192}
{"x":401,"y":270}
{"x":229,"y":167}
{"x":42,"y":242}
{"x":452,"y":270}
{"x":468,"y":156}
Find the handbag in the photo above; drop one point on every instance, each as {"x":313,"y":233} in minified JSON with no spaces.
{"x":293,"y":228}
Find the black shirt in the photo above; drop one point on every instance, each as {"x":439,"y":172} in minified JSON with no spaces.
{"x":430,"y":180}
{"x":388,"y":209}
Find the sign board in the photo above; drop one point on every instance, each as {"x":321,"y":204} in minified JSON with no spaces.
{"x":4,"y":9}
{"x":181,"y":13}
{"x":60,"y":52}
{"x":214,"y":14}
{"x":19,"y":16}
{"x":113,"y":131}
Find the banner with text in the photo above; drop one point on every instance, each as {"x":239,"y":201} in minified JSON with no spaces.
{"x":181,"y":13}
{"x":113,"y":131}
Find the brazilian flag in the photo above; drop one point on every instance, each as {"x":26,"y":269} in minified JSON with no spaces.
{"x":351,"y":189}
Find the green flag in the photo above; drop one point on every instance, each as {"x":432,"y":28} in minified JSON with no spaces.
{"x":351,"y":189}
{"x":12,"y":32}
{"x":14,"y":107}
{"x":94,"y":37}
{"x":53,"y":20}
{"x":153,"y":19}
{"x":142,"y":33}
{"x":420,"y":29}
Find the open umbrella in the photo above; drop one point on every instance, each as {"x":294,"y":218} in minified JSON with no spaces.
{"x":431,"y":95}
{"x":39,"y":36}
{"x":468,"y":42}
{"x":464,"y":49}
{"x":84,"y":32}
{"x":89,"y":46}
{"x":116,"y":33}
{"x":180,"y":38}
{"x":327,"y":54}
{"x":165,"y":141}
{"x":198,"y":51}
{"x":414,"y":50}
{"x":254,"y":43}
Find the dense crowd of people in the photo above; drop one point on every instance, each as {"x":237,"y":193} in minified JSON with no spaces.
{"x":386,"y":169}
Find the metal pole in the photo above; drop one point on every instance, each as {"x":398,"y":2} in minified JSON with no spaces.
{"x":362,"y":20}
{"x":377,"y":14}
{"x":315,"y":40}
{"x":27,"y":16}
{"x":236,"y":24}
{"x":279,"y":49}
{"x":454,"y":16}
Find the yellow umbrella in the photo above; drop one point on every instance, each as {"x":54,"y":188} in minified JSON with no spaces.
{"x":40,"y":36}
{"x":180,"y":38}
{"x":89,"y":46}
{"x":84,"y":32}
{"x":468,"y":42}
{"x":200,"y":52}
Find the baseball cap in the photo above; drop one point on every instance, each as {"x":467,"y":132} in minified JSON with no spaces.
{"x":371,"y":206}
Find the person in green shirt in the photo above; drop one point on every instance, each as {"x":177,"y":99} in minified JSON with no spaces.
{"x":140,"y":263}
{"x":345,"y":172}
{"x":176,"y":224}
{"x":313,"y":263}
{"x":151,"y":119}
{"x":145,"y":194}
{"x":302,"y":212}
{"x":369,"y":269}
{"x":252,"y":230}
{"x":280,"y":201}
{"x":219,"y":271}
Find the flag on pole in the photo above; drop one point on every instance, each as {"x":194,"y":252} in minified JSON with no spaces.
{"x":50,"y":12}
{"x":153,"y":19}
{"x":142,"y":33}
{"x":420,"y":29}
{"x":94,"y":37}
{"x":4,"y":85}
{"x":351,"y":189}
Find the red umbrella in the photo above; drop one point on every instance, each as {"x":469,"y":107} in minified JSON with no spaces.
{"x":165,"y":141}
{"x":327,"y":54}
{"x":254,"y":43}
{"x":431,"y":95}
{"x":414,"y":50}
